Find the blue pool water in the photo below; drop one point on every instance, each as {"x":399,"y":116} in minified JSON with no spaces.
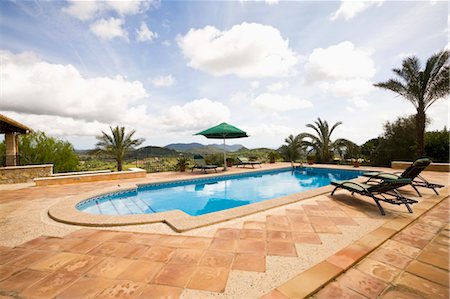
{"x":203,"y":196}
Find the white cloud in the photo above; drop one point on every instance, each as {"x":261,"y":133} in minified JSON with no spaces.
{"x":269,"y":2}
{"x":166,"y":43}
{"x":31,"y":85}
{"x":350,"y":88}
{"x":279,"y":103}
{"x":277,"y":86}
{"x":109,"y":29}
{"x":350,"y":8}
{"x":85,"y":10}
{"x":145,"y":34}
{"x":339,"y":62}
{"x":254,"y":84}
{"x":246,"y":50}
{"x":167,"y":80}
{"x":195,"y":115}
{"x":403,"y":55}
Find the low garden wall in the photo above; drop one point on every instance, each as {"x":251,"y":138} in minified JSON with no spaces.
{"x":90,"y":177}
{"x":24,"y":174}
{"x":440,"y":167}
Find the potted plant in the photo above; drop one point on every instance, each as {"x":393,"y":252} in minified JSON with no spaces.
{"x":230,"y":162}
{"x":182,"y":162}
{"x":272,"y":157}
{"x":311,"y":159}
{"x":357,"y":162}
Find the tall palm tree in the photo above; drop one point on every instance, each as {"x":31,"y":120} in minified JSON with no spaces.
{"x":118,"y":143}
{"x":322,"y":144}
{"x":422,"y":87}
{"x":291,"y":151}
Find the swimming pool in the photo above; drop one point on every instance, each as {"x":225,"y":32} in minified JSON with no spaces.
{"x":202,"y":196}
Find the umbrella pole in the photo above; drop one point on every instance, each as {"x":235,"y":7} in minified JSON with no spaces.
{"x":224,"y":156}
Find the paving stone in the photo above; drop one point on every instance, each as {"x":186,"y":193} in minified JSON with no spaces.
{"x":399,"y":294}
{"x":154,"y":291}
{"x":346,"y":257}
{"x":110,"y":267}
{"x":85,"y":246}
{"x":336,"y":291}
{"x":429,"y":272}
{"x":362,"y":283}
{"x":390,"y":258}
{"x":171,"y":241}
{"x":21,"y":280}
{"x":326,"y":228}
{"x":223,"y":244}
{"x":253,"y":234}
{"x":434,"y":259}
{"x":213,"y":279}
{"x":378,"y":269}
{"x":122,"y":289}
{"x":279,"y":236}
{"x":10,"y":254}
{"x":423,"y":286}
{"x":81,"y":264}
{"x":158,"y":254}
{"x":51,"y":285}
{"x":274,"y":294}
{"x":6,"y":271}
{"x":401,"y":248}
{"x":227,"y":233}
{"x":81,"y":233}
{"x":281,"y":248}
{"x":302,"y":227}
{"x":85,"y":288}
{"x":141,"y":271}
{"x":186,"y":256}
{"x":215,"y":258}
{"x":196,"y":243}
{"x":306,"y":238}
{"x":249,"y":262}
{"x":251,"y":246}
{"x":30,"y":258}
{"x":176,"y":275}
{"x":55,"y":261}
{"x":254,"y":225}
{"x":146,"y":239}
{"x":343,"y":221}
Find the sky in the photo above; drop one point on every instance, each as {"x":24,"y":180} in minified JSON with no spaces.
{"x":169,"y":69}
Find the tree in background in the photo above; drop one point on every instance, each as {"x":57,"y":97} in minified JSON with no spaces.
{"x":37,"y":148}
{"x":422,"y":87}
{"x":322,"y":144}
{"x":291,"y":151}
{"x":117,"y":144}
{"x":437,"y":145}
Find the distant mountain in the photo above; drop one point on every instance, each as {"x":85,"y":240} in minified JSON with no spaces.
{"x":152,"y":151}
{"x":184,"y":147}
{"x":228,"y":148}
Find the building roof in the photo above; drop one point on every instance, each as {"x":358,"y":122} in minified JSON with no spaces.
{"x":8,"y":125}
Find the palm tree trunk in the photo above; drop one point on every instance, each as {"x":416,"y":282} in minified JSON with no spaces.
{"x":119,"y":165}
{"x":420,"y":127}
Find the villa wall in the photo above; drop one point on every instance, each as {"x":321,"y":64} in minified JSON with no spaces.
{"x":90,"y":177}
{"x":24,"y":174}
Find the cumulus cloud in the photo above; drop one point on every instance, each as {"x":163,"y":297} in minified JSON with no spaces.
{"x":279,"y":103}
{"x":108,"y":29}
{"x":339,"y":62}
{"x":350,"y":8}
{"x":195,"y":115}
{"x":276,"y":86}
{"x":145,"y":34}
{"x":269,"y":2}
{"x":31,"y":85}
{"x":254,"y":84}
{"x":85,"y":10}
{"x":245,"y":50}
{"x":167,"y":80}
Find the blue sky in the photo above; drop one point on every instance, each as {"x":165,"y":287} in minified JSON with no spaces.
{"x":172,"y":68}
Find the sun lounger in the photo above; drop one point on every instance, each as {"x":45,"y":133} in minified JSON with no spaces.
{"x":383,"y":191}
{"x":245,"y":161}
{"x":412,"y":172}
{"x":201,"y":164}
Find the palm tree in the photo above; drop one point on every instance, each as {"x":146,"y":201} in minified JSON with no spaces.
{"x":291,"y":151}
{"x":422,"y":87}
{"x":322,"y":144}
{"x":117,"y":144}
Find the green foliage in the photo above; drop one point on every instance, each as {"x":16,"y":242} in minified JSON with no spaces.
{"x":117,"y":144}
{"x":182,"y":162}
{"x":437,"y":145}
{"x":292,"y":150}
{"x":96,"y":164}
{"x":216,"y":159}
{"x":422,"y":87}
{"x":369,"y":147}
{"x":37,"y":148}
{"x":396,"y":143}
{"x":259,"y":154}
{"x":2,"y":148}
{"x":321,"y":143}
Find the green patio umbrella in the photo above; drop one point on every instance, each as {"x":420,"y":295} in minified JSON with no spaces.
{"x":223,"y":131}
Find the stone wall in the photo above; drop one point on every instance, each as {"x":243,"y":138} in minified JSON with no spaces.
{"x":24,"y":174}
{"x":441,"y":167}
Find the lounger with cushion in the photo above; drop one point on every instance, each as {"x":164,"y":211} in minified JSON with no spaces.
{"x":245,"y":161}
{"x":201,"y":164}
{"x":412,"y":172}
{"x":383,"y":191}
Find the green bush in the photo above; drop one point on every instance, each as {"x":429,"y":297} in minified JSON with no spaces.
{"x":437,"y":145}
{"x":37,"y":148}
